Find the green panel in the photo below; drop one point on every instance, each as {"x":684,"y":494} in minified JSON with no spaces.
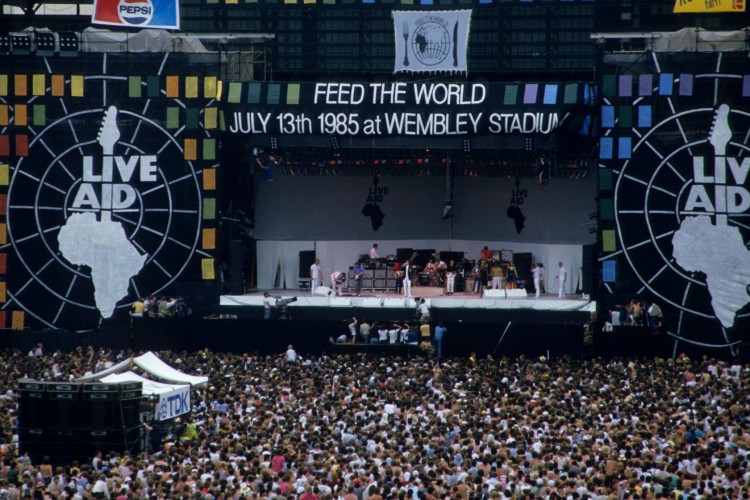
{"x":173,"y":117}
{"x":40,"y":115}
{"x":609,"y":240}
{"x":292,"y":93}
{"x":608,"y":86}
{"x":235,"y":92}
{"x":511,"y":95}
{"x":191,"y":118}
{"x":209,"y":149}
{"x":605,"y":179}
{"x":571,"y":93}
{"x":134,"y":86}
{"x":606,"y":210}
{"x":625,"y":116}
{"x":153,"y":86}
{"x":209,"y":208}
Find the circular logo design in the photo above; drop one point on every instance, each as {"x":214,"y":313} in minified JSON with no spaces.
{"x":135,"y":12}
{"x":431,"y":42}
{"x":103,"y":209}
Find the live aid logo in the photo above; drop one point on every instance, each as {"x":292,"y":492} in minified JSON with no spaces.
{"x":722,"y":193}
{"x":107,"y":188}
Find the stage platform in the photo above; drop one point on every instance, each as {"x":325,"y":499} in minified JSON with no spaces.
{"x":496,"y":306}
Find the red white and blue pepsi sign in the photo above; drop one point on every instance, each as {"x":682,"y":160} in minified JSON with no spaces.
{"x":137,"y":13}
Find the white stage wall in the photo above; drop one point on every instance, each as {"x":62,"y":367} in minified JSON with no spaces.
{"x":340,"y":255}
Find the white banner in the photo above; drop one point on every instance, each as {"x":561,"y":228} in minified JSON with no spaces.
{"x":173,"y":404}
{"x":431,"y":42}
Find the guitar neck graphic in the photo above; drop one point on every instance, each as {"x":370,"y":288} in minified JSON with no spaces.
{"x":719,"y":137}
{"x":107,"y":137}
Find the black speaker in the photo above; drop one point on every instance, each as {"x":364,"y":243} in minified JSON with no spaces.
{"x":236,"y":257}
{"x":404,"y":254}
{"x":449,"y":256}
{"x":588,"y":269}
{"x":522,"y":261}
{"x":306,"y":259}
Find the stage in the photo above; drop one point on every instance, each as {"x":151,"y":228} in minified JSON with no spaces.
{"x":493,"y":306}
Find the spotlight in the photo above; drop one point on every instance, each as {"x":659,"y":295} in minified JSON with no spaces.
{"x":274,"y":143}
{"x":68,"y":44}
{"x":467,"y":146}
{"x":4,"y":44}
{"x":335,"y":143}
{"x":20,"y":43}
{"x":45,"y":44}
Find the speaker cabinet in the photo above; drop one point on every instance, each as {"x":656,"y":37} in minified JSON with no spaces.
{"x":236,"y":258}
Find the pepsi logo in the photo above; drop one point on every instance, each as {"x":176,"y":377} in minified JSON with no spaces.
{"x":135,"y":12}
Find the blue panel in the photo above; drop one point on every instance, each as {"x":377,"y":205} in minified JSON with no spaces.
{"x":605,"y":148}
{"x":644,"y":116}
{"x":624,"y":148}
{"x":608,"y":116}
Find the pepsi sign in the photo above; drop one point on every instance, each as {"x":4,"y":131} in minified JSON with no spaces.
{"x":137,"y":13}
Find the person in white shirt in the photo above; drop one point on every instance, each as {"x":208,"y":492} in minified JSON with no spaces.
{"x":315,"y":275}
{"x":562,"y":278}
{"x":407,"y":279}
{"x":338,"y":278}
{"x":535,"y":273}
{"x":374,"y":251}
{"x":291,"y":354}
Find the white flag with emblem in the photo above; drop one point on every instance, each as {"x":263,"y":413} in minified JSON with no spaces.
{"x":431,"y":42}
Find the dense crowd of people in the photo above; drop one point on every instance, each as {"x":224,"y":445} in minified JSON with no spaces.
{"x":358,"y":427}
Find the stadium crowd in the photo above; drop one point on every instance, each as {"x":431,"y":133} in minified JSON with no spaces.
{"x":366,"y":428}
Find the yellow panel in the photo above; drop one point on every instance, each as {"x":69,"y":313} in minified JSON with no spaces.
{"x":58,"y":85}
{"x":18,"y":320}
{"x":3,"y":115}
{"x":209,"y":87}
{"x":3,"y":85}
{"x":21,"y":115}
{"x":76,"y":86}
{"x":38,"y":84}
{"x":4,"y":174}
{"x":210,"y":118}
{"x":207,"y":269}
{"x":3,"y":294}
{"x":191,"y":86}
{"x":191,"y":149}
{"x":3,"y":233}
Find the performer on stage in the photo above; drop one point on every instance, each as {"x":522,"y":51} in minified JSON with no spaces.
{"x":450,"y":277}
{"x":535,"y":273}
{"x":497,"y":276}
{"x":374,"y":251}
{"x":358,"y":270}
{"x":486,"y":254}
{"x":511,"y":278}
{"x":398,"y":272}
{"x":407,"y":278}
{"x":562,"y":278}
{"x":476,"y":276}
{"x":315,"y":276}
{"x":338,"y":278}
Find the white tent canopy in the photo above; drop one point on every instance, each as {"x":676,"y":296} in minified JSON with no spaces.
{"x":151,"y":364}
{"x":150,"y":387}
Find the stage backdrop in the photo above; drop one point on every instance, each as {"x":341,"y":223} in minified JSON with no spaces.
{"x":411,"y":207}
{"x":674,"y":200}
{"x":107,"y":174}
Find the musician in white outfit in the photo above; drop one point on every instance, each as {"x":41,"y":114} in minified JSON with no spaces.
{"x":315,"y":275}
{"x":535,"y":274}
{"x":562,"y":278}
